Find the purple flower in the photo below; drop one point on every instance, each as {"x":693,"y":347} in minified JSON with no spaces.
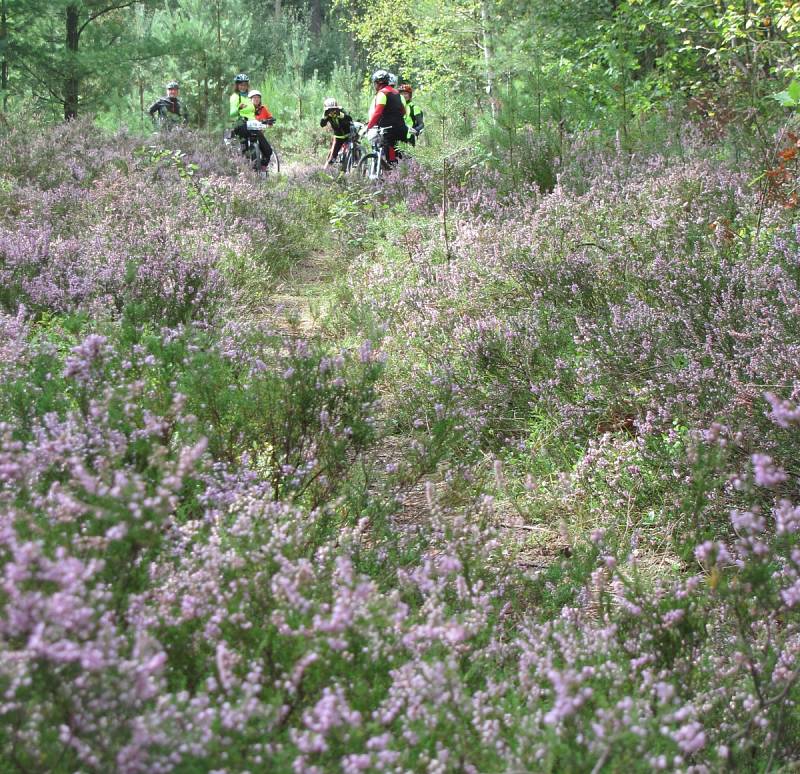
{"x":766,"y":473}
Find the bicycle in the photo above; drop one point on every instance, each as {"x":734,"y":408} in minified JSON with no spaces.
{"x":375,"y":163}
{"x":252,"y":149}
{"x":351,"y":153}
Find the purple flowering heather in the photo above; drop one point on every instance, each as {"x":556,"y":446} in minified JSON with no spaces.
{"x":221,"y":551}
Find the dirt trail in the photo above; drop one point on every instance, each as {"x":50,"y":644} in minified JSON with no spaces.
{"x":300,"y":298}
{"x":300,"y":302}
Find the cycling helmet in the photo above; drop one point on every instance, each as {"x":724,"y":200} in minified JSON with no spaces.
{"x":392,"y":80}
{"x":242,"y":78}
{"x":331,"y":104}
{"x":173,"y":85}
{"x":405,"y":89}
{"x":381,"y":76}
{"x":253,"y":93}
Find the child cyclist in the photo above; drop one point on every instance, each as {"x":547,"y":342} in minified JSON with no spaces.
{"x":242,"y":108}
{"x":262,"y":114}
{"x":341,"y":124}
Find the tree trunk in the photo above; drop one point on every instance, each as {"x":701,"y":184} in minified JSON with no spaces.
{"x":488,"y":56}
{"x":141,"y":100}
{"x":277,"y":10}
{"x":214,"y":72}
{"x":316,"y":19}
{"x":204,"y":105}
{"x":4,"y":63}
{"x":72,"y":80}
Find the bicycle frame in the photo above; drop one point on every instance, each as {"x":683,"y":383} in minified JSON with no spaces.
{"x":351,"y":152}
{"x":377,"y":161}
{"x":248,"y":141}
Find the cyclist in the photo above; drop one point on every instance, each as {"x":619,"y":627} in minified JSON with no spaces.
{"x":170,"y":109}
{"x":241,"y":110}
{"x":261,"y":113}
{"x":340,"y":122}
{"x":241,"y":106}
{"x":414,"y":120}
{"x":387,"y":111}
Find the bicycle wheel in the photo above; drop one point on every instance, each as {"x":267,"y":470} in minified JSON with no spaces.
{"x":370,"y":166}
{"x":345,"y":162}
{"x":254,"y":157}
{"x":353,"y":158}
{"x":274,"y":167}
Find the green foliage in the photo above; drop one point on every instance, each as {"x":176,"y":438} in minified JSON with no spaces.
{"x":62,"y":54}
{"x":790,"y":97}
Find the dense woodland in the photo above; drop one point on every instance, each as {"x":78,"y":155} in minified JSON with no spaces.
{"x":489,"y":465}
{"x":575,"y":64}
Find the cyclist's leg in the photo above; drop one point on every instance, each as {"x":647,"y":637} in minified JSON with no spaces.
{"x":394,"y":138}
{"x":345,"y":155}
{"x":266,"y":149}
{"x":338,"y":142}
{"x":240,"y":133}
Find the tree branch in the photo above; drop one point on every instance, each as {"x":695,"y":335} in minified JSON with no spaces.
{"x":102,"y":11}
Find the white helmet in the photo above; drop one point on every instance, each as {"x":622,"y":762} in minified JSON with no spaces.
{"x":331,"y":104}
{"x":393,"y":80}
{"x":253,"y":93}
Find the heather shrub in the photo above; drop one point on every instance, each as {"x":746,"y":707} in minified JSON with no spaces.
{"x":261,"y":638}
{"x":631,"y":303}
{"x":156,"y":234}
{"x":525,"y":503}
{"x":298,"y":411}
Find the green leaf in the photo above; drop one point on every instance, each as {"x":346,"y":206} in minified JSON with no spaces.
{"x":785,"y":99}
{"x":791,"y":96}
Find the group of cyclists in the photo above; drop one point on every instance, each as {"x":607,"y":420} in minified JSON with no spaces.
{"x":392,"y":111}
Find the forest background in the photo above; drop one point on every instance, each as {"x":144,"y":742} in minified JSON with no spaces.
{"x":483,"y":68}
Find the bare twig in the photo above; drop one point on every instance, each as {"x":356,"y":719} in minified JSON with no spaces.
{"x":601,"y":761}
{"x":527,"y":527}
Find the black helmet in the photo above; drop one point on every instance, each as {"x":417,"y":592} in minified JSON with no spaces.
{"x":380,"y":76}
{"x":242,"y":78}
{"x":173,"y":85}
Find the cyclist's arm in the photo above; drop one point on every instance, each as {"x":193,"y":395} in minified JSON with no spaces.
{"x":156,"y":107}
{"x":234,"y":106}
{"x":380,"y":104}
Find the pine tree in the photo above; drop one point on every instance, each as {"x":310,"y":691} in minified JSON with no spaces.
{"x":67,"y":52}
